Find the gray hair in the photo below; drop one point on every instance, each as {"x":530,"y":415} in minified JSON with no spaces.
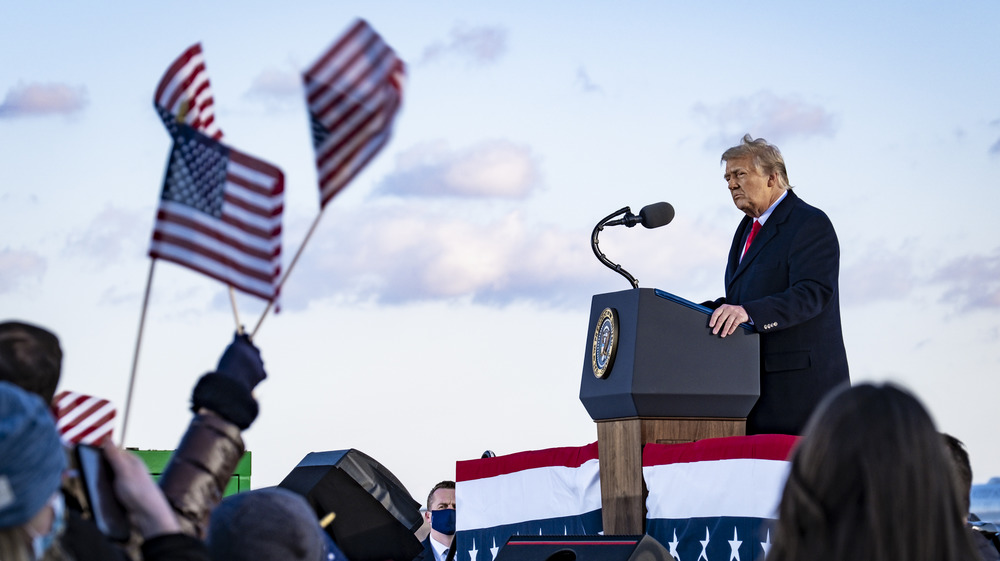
{"x":766,"y":158}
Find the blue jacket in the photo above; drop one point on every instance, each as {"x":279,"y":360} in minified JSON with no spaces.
{"x":788,"y":284}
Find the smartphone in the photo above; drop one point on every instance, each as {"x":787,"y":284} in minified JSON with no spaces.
{"x":98,"y":481}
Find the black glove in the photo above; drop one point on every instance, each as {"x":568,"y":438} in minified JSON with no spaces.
{"x":241,"y":361}
{"x":227,"y":391}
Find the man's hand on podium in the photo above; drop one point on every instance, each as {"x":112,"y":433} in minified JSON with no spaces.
{"x":726,"y":318}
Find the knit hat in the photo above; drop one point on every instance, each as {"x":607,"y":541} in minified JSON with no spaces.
{"x":271,"y":524}
{"x":31,"y":456}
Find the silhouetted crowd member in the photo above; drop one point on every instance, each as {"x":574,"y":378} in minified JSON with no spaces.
{"x":988,"y":543}
{"x":440,"y":514}
{"x":33,"y":516}
{"x":30,"y":357}
{"x":868,"y":482}
{"x":271,"y":524}
{"x":196,"y":476}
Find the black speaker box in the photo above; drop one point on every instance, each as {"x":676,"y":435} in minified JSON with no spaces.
{"x":375,"y":517}
{"x":583,"y":548}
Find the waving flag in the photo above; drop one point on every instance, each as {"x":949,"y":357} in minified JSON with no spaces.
{"x":551,"y":492}
{"x":220,"y":214}
{"x":715,"y":499}
{"x":184,"y":95}
{"x":353,"y":92}
{"x":83,"y":419}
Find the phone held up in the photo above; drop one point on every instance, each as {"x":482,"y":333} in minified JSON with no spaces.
{"x":98,"y":479}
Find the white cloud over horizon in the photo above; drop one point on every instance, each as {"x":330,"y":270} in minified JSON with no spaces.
{"x":479,"y":45}
{"x":114,"y":234}
{"x":489,"y":169}
{"x":18,"y":267}
{"x":274,"y":85}
{"x":765,"y":115}
{"x":38,"y":99}
{"x":971,"y":282}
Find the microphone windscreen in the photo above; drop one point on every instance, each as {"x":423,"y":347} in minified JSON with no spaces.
{"x":656,"y":215}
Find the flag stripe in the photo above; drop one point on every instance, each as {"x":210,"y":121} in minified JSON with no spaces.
{"x":761,"y":446}
{"x":82,"y":418}
{"x":326,"y":61}
{"x":335,"y":183}
{"x":177,"y":68}
{"x":351,"y":161}
{"x":347,"y":134}
{"x":739,"y":487}
{"x":97,"y":435}
{"x":477,"y":499}
{"x":213,"y":269}
{"x":502,"y":465}
{"x":206,"y":249}
{"x":82,"y":407}
{"x":177,"y":219}
{"x":186,"y":81}
{"x":353,"y":94}
{"x":358,"y":86}
{"x":69,"y":401}
{"x":95,"y":421}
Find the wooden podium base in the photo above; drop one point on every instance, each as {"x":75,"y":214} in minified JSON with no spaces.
{"x":620,"y":442}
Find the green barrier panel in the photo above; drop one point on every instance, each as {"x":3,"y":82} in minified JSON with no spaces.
{"x":156,"y":461}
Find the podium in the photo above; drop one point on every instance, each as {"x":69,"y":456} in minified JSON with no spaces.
{"x":653,"y":372}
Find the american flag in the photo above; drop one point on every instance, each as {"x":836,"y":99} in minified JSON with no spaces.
{"x":184,"y":95}
{"x":353,"y":92}
{"x":83,"y":419}
{"x":220,"y":214}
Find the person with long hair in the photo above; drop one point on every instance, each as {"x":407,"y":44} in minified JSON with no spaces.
{"x":870,"y":481}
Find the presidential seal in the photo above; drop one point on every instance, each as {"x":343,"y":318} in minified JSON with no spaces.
{"x":602,"y":352}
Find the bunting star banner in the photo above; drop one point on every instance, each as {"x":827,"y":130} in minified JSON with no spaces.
{"x":353,"y":92}
{"x":716,"y":499}
{"x":184,"y":95}
{"x":556,"y":491}
{"x":220,"y":214}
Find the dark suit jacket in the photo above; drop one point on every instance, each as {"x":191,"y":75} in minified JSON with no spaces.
{"x":428,"y":553}
{"x":788,"y":284}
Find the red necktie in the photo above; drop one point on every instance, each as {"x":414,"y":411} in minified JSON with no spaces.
{"x":753,"y":232}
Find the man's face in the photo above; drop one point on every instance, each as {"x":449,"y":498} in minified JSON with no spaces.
{"x":752,"y":191}
{"x":440,"y":500}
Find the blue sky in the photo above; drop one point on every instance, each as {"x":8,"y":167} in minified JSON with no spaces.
{"x":441,"y":307}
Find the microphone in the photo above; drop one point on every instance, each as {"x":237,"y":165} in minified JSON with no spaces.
{"x":651,"y":216}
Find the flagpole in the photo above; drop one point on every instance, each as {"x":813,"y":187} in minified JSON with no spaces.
{"x":135,"y":356}
{"x":288,"y":271}
{"x":236,"y":313}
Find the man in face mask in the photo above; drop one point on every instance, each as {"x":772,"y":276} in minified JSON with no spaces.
{"x":441,"y":516}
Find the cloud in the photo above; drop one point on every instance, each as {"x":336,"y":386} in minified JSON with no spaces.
{"x":477,"y":45}
{"x":586,"y":84}
{"x":878,"y":275}
{"x":995,"y":149}
{"x":972,"y":282}
{"x":765,"y":115}
{"x":17,"y":266}
{"x":495,"y":168}
{"x":42,"y":99}
{"x":276,"y":85}
{"x":402,"y":255}
{"x":114,"y":233}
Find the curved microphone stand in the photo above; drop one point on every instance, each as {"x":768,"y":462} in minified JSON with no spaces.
{"x":601,"y":257}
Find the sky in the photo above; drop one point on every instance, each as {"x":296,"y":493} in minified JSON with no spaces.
{"x":440,"y":308}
